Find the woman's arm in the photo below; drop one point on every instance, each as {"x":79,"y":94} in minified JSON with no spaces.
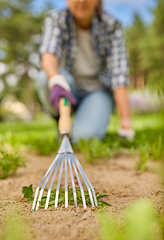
{"x":122,"y":102}
{"x":119,"y":68}
{"x":50,"y":64}
{"x":50,"y":47}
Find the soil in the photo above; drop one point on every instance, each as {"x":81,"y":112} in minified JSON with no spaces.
{"x":117,"y":176}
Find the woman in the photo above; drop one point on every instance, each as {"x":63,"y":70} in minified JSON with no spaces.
{"x":84,"y":60}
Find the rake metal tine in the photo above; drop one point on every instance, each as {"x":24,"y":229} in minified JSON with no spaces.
{"x":85,"y":179}
{"x":35,"y":198}
{"x":58,"y":186}
{"x":45,"y":183}
{"x":66,"y":183}
{"x":37,"y":190}
{"x":50,"y":187}
{"x":81,"y":187}
{"x":73,"y":183}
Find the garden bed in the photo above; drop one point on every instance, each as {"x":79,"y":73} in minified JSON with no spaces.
{"x":117,"y":176}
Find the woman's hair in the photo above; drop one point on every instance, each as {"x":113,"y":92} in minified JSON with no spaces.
{"x":99,"y":8}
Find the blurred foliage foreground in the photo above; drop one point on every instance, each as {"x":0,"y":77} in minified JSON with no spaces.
{"x":140,"y":221}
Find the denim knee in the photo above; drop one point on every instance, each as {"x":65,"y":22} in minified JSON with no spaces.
{"x":91,"y":120}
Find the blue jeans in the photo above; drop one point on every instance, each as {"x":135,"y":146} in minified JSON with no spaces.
{"x":93,"y":110}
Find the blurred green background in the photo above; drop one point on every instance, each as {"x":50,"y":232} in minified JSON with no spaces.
{"x":20,"y":36}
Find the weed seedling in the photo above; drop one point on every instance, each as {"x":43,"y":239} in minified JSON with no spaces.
{"x":28,"y":194}
{"x":10,"y":161}
{"x":143,"y":157}
{"x":157,"y":148}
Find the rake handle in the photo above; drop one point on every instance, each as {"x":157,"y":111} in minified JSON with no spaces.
{"x":65,"y":124}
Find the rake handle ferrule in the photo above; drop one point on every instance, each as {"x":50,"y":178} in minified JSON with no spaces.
{"x":65,"y":125}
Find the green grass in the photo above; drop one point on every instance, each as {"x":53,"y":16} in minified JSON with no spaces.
{"x":149,"y":141}
{"x":41,"y":136}
{"x":38,"y":136}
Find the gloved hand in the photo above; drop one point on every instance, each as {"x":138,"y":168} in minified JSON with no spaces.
{"x":60,"y":88}
{"x":126,"y":133}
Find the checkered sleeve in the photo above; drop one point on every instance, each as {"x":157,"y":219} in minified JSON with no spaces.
{"x":51,"y":38}
{"x":118,"y":64}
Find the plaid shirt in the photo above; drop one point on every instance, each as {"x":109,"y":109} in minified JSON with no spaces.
{"x":59,"y":38}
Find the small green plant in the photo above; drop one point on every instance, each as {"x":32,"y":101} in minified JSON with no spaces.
{"x":143,"y":157}
{"x":28,"y":194}
{"x":132,"y":153}
{"x":10,"y":161}
{"x":140,"y":222}
{"x":157,"y":148}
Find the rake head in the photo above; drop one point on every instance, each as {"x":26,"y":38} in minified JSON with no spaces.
{"x":65,"y":159}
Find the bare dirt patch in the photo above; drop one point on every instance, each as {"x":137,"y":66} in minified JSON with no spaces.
{"x":117,"y":177}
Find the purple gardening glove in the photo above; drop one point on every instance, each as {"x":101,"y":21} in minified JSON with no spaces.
{"x":58,"y":92}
